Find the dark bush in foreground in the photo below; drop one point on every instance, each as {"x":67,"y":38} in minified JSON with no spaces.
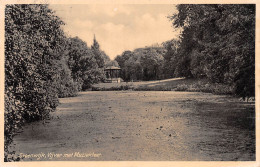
{"x":34,"y":44}
{"x":42,"y":64}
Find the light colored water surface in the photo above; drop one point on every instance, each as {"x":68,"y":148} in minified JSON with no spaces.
{"x":154,"y":126}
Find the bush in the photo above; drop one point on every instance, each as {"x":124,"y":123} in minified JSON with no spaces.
{"x":114,"y":88}
{"x":66,"y":87}
{"x":41,"y":64}
{"x":34,"y":42}
{"x":201,"y":86}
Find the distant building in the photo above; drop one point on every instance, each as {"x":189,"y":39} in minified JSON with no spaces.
{"x":113,"y":74}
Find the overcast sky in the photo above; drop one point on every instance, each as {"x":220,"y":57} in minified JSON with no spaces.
{"x":118,"y":27}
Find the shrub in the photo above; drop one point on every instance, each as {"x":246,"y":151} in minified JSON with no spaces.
{"x":66,"y":87}
{"x":34,"y":42}
{"x":114,"y":88}
{"x":201,"y":86}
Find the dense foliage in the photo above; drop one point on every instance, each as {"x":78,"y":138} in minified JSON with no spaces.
{"x":218,"y":42}
{"x":42,"y":64}
{"x":142,"y":63}
{"x":86,"y":64}
{"x":33,"y":41}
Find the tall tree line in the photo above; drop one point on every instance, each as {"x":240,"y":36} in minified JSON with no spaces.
{"x":217,"y":43}
{"x":142,"y":63}
{"x":42,"y":64}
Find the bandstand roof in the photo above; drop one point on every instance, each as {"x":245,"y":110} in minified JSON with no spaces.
{"x":112,"y":68}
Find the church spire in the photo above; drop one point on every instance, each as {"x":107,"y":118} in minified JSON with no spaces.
{"x":95,"y":44}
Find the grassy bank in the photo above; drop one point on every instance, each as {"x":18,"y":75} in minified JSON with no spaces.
{"x":180,"y":84}
{"x":205,"y":86}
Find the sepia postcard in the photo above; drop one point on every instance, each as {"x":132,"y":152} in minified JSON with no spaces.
{"x":129,"y":83}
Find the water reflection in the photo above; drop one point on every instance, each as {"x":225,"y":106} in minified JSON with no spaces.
{"x":224,"y":130}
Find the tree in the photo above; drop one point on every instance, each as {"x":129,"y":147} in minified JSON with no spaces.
{"x":66,"y":87}
{"x":133,"y":69}
{"x":84,"y":63}
{"x":121,"y":61}
{"x":152,"y":63}
{"x":98,"y":53}
{"x":142,"y":63}
{"x":218,"y":42}
{"x":77,"y":49}
{"x":34,"y":42}
{"x":170,"y":60}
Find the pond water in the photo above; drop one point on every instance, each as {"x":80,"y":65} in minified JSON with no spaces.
{"x":144,"y":125}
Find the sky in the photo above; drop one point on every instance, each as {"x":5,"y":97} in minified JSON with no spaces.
{"x":118,"y":27}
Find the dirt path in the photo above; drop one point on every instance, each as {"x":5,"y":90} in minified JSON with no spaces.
{"x":137,"y":84}
{"x":128,"y":125}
